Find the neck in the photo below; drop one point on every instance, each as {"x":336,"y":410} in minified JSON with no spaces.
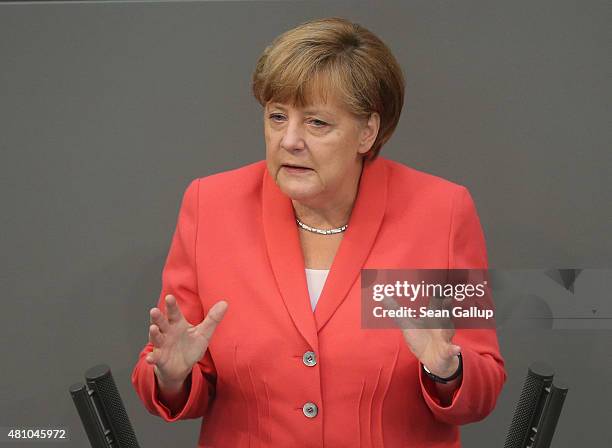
{"x":330,"y":212}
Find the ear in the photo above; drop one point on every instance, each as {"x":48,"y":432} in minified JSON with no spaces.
{"x":369,"y":132}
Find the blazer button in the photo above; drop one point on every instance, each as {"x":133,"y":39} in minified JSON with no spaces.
{"x":310,"y":410}
{"x":309,"y":359}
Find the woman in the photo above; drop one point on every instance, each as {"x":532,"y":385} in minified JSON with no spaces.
{"x":257,"y":329}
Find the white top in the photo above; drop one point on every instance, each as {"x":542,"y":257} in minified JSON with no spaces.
{"x":315,"y":278}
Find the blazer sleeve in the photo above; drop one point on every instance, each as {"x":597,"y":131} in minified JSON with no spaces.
{"x":179,"y":278}
{"x":483,"y":366}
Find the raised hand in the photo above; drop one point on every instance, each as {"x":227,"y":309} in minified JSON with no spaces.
{"x":430,"y":339}
{"x":434,"y":348}
{"x":178,"y":345}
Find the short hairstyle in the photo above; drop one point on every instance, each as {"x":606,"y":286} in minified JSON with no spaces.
{"x":333,"y":56}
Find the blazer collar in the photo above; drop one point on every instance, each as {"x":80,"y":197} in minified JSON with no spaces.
{"x":287,"y":260}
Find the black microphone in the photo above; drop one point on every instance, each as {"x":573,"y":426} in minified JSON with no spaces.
{"x":538,"y":409}
{"x":101,"y":410}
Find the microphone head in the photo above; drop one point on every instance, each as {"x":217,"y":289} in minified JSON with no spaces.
{"x":89,"y":416}
{"x":97,"y":372}
{"x":541,"y":370}
{"x":539,"y":376}
{"x":106,"y":395}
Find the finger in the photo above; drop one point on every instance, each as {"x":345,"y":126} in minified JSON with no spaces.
{"x":158,"y":318}
{"x":448,"y":303}
{"x":151,"y":357}
{"x":173,"y":311}
{"x":405,"y":322}
{"x":155,"y":336}
{"x":453,"y":350}
{"x":442,"y":311}
{"x":439,"y":303}
{"x":212,"y":319}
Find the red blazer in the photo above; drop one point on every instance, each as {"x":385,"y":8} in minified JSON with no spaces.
{"x":236,"y":239}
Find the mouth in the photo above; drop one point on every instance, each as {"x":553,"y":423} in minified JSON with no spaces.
{"x":292,"y":167}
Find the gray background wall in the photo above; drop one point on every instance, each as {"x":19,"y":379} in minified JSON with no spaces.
{"x":108,"y":110}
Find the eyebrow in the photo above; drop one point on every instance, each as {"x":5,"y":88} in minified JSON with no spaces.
{"x":307,"y":111}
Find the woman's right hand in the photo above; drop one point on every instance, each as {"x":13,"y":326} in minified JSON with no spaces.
{"x":178,"y":345}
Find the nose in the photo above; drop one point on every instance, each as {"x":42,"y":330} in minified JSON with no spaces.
{"x":293,"y":137}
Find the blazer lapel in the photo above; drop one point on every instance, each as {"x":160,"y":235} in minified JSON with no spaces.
{"x":285,"y":252}
{"x":359,"y":237}
{"x":287,"y":260}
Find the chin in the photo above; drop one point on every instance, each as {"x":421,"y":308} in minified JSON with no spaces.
{"x":296,"y":191}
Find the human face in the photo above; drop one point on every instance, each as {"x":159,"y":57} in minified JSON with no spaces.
{"x":325,"y":142}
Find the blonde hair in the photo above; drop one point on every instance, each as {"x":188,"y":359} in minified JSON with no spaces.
{"x":333,"y":56}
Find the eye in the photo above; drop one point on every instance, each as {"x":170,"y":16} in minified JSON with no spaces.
{"x":276,"y":117}
{"x":318,"y":123}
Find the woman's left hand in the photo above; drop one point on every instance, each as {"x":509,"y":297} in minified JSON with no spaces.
{"x":430,"y":339}
{"x":433,"y":348}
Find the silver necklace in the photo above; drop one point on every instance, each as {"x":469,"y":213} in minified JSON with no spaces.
{"x":321,"y":231}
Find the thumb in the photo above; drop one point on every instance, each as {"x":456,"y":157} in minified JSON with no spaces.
{"x":453,"y":350}
{"x":207,"y":327}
